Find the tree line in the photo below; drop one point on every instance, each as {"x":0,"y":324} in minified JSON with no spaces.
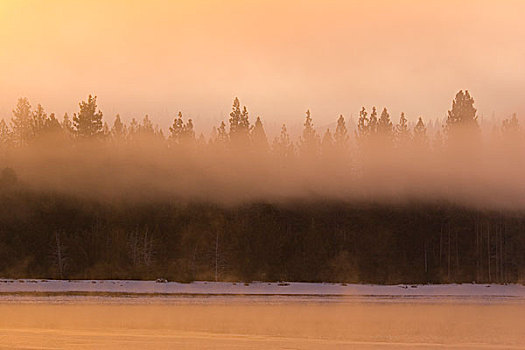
{"x":29,"y":126}
{"x":46,"y":235}
{"x":314,"y":232}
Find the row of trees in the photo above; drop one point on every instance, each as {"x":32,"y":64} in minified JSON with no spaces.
{"x":44,"y":235}
{"x":98,"y":209}
{"x":29,"y":126}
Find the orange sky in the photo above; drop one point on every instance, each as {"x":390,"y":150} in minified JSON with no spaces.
{"x":279,"y":57}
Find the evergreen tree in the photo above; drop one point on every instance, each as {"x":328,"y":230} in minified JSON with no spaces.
{"x":258,"y":136}
{"x":511,"y":132}
{"x":244,"y":122}
{"x":463,"y":114}
{"x":327,"y":143}
{"x":402,"y":134}
{"x":373,"y":122}
{"x":188,"y":134}
{"x":67,"y":125}
{"x":341,"y":134}
{"x":134,"y":128}
{"x":39,"y":120}
{"x":52,"y":125}
{"x":146,"y":127}
{"x":158,"y":133}
{"x":235,"y":116}
{"x":118,"y":130}
{"x":420,"y":133}
{"x":239,"y":125}
{"x":44,"y":124}
{"x":309,"y":142}
{"x":510,"y":125}
{"x":88,"y":122}
{"x":177,"y":129}
{"x":22,"y":122}
{"x":5,"y":134}
{"x":222,"y":135}
{"x":363,"y":125}
{"x":106,"y":132}
{"x":282,"y":145}
{"x":384,"y":124}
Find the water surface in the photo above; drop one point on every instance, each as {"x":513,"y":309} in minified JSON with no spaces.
{"x":260,"y":322}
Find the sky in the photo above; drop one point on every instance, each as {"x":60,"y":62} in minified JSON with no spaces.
{"x":279,"y":57}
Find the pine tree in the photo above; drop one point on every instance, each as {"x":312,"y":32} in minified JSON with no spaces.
{"x":309,"y":142}
{"x":235,"y":115}
{"x":239,"y":125}
{"x":511,"y":132}
{"x":44,"y":125}
{"x":244,"y":122}
{"x":341,"y":134}
{"x":258,"y":136}
{"x":510,"y":125}
{"x":463,"y":114}
{"x":134,"y":128}
{"x":363,"y":125}
{"x":106,"y":132}
{"x":177,"y":129}
{"x":52,"y":125}
{"x":39,"y":120}
{"x":5,"y":135}
{"x":402,"y":134}
{"x":188,"y":134}
{"x":384,"y":124}
{"x":420,"y":133}
{"x":373,"y":122}
{"x":22,"y":122}
{"x":158,"y":133}
{"x":118,"y":130}
{"x":282,"y":145}
{"x":222,"y":135}
{"x":327,"y":143}
{"x":67,"y":125}
{"x":88,"y":122}
{"x":146,"y":127}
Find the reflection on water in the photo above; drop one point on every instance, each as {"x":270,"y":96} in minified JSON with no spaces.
{"x":83,"y":322}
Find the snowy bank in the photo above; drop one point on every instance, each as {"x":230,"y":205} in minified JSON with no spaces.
{"x":8,"y":286}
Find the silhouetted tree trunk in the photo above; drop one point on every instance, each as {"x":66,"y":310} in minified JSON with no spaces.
{"x":457,"y":255}
{"x":217,"y":256}
{"x":488,"y":252}
{"x":440,"y":245}
{"x":426,"y":260}
{"x":476,"y":229}
{"x":59,"y":253}
{"x":147,"y":249}
{"x":448,"y":255}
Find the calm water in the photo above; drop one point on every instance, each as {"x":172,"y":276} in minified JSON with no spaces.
{"x":260,"y":323}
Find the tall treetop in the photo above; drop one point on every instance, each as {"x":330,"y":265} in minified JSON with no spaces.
{"x":341,"y":133}
{"x":463,"y":113}
{"x":88,"y":122}
{"x":384,"y":124}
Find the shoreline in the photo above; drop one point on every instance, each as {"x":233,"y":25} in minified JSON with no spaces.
{"x":42,"y":287}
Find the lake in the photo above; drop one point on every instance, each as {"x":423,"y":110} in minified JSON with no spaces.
{"x":260,"y":322}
